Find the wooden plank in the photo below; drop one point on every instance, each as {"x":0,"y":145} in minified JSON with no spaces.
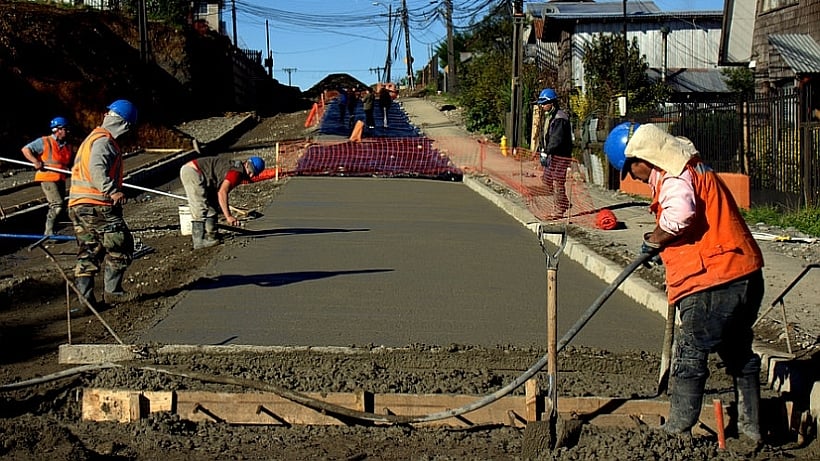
{"x":261,"y":408}
{"x":123,"y":405}
{"x":533,"y":400}
{"x":502,"y":411}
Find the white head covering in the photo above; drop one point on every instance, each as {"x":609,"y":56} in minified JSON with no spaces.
{"x":656,"y":146}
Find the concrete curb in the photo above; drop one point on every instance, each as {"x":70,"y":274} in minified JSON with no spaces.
{"x":637,"y":289}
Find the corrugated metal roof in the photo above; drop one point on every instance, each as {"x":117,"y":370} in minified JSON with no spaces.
{"x":800,"y":51}
{"x":587,"y":8}
{"x":692,"y":80}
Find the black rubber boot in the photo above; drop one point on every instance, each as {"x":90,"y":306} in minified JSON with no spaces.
{"x":748,"y":403}
{"x":211,"y":229}
{"x":685,"y":404}
{"x":198,"y":236}
{"x":86,"y":286}
{"x":114,"y":293}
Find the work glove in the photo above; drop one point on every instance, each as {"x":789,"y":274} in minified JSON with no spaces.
{"x":648,"y":247}
{"x":544,"y":159}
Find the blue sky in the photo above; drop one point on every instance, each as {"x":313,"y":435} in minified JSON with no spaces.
{"x":315,"y":38}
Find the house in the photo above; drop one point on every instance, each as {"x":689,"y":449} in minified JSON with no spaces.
{"x":208,"y":12}
{"x":681,"y":48}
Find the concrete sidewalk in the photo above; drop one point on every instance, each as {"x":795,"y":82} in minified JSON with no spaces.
{"x":801,"y":305}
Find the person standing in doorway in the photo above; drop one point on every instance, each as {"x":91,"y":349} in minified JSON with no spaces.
{"x":54,"y":152}
{"x":713,"y":265}
{"x":554,"y":149}
{"x":95,"y":203}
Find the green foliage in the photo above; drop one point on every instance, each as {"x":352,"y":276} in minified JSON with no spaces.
{"x":604,"y":58}
{"x":739,"y":79}
{"x":806,"y":220}
{"x":484,"y":99}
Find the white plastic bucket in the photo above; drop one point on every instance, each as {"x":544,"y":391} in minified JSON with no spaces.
{"x":184,"y":220}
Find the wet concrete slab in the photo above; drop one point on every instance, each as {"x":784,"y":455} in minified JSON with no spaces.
{"x":393,"y":262}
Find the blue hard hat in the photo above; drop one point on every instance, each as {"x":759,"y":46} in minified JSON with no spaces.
{"x":58,"y":122}
{"x":615,"y":144}
{"x":547,"y":95}
{"x":258,"y":165}
{"x":124,"y":109}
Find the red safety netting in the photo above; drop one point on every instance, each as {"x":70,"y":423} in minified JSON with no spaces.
{"x":386,"y":157}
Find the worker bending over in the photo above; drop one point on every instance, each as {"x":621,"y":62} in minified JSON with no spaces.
{"x":207,"y":182}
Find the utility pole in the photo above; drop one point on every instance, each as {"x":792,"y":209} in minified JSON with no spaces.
{"x":452,"y":84}
{"x":269,"y":59}
{"x":514,"y":123}
{"x":378,"y":71}
{"x":233,"y":21}
{"x":626,"y":70}
{"x":143,"y":30}
{"x":388,"y":63}
{"x":408,"y":55}
{"x":289,"y":70}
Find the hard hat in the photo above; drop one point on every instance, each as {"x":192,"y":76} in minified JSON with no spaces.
{"x":547,"y":96}
{"x":58,"y":122}
{"x":615,"y":145}
{"x":257,"y":164}
{"x":124,"y":109}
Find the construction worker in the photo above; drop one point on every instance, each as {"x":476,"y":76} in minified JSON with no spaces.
{"x":713,"y":269}
{"x":554,"y":149}
{"x":95,"y":203}
{"x":367,"y":105}
{"x":207,"y":182}
{"x":55,"y":152}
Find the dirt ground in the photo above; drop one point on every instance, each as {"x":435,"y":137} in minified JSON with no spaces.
{"x":42,"y":421}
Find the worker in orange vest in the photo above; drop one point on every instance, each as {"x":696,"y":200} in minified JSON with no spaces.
{"x":54,"y":152}
{"x":713,"y":265}
{"x":95,"y":203}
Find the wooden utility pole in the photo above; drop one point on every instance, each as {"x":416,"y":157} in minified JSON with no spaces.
{"x":269,"y":59}
{"x":142,"y":14}
{"x":514,"y":125}
{"x":388,"y":63}
{"x":408,"y":55}
{"x":452,"y":84}
{"x":289,"y":70}
{"x":233,"y":21}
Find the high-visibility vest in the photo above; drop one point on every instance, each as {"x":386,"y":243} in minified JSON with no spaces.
{"x":718,"y":249}
{"x":83,"y":190}
{"x":53,"y":156}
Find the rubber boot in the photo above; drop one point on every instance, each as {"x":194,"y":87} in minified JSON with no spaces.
{"x":114,"y":294}
{"x":86,"y":286}
{"x":211,"y":231}
{"x":51,"y":218}
{"x":685,"y":404}
{"x":748,"y":403}
{"x":198,"y":235}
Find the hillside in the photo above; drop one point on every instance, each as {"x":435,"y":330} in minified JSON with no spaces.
{"x":74,"y":61}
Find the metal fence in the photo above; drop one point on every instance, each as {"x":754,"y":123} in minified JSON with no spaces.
{"x":763,"y":136}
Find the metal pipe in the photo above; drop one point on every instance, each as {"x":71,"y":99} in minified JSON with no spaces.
{"x":37,"y":237}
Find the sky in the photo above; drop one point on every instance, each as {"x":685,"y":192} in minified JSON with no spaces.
{"x":310,"y":39}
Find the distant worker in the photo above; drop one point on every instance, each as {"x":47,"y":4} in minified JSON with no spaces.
{"x":95,"y":204}
{"x":55,"y":152}
{"x":342,"y":98}
{"x":207,"y":182}
{"x":385,"y":101}
{"x":713,"y":269}
{"x":554,"y":149}
{"x":367,"y":105}
{"x":352,"y":102}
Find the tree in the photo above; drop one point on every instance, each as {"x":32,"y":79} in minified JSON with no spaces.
{"x":604,"y":58}
{"x":739,"y":79}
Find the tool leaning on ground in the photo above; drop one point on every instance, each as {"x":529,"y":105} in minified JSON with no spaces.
{"x":249,"y":214}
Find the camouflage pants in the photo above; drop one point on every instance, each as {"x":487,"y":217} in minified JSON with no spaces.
{"x":103,"y":237}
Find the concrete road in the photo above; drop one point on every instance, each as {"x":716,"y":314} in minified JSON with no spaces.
{"x":393,"y":262}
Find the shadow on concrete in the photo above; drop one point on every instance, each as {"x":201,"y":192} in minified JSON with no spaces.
{"x":272,"y":280}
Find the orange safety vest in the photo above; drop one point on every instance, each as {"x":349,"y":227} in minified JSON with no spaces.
{"x":718,"y":249}
{"x":53,"y":156}
{"x":83,"y":190}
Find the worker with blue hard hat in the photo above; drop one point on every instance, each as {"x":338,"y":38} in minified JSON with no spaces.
{"x":46,"y":154}
{"x":714,"y":274}
{"x":553,"y":142}
{"x":207,"y":182}
{"x":95,"y":206}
